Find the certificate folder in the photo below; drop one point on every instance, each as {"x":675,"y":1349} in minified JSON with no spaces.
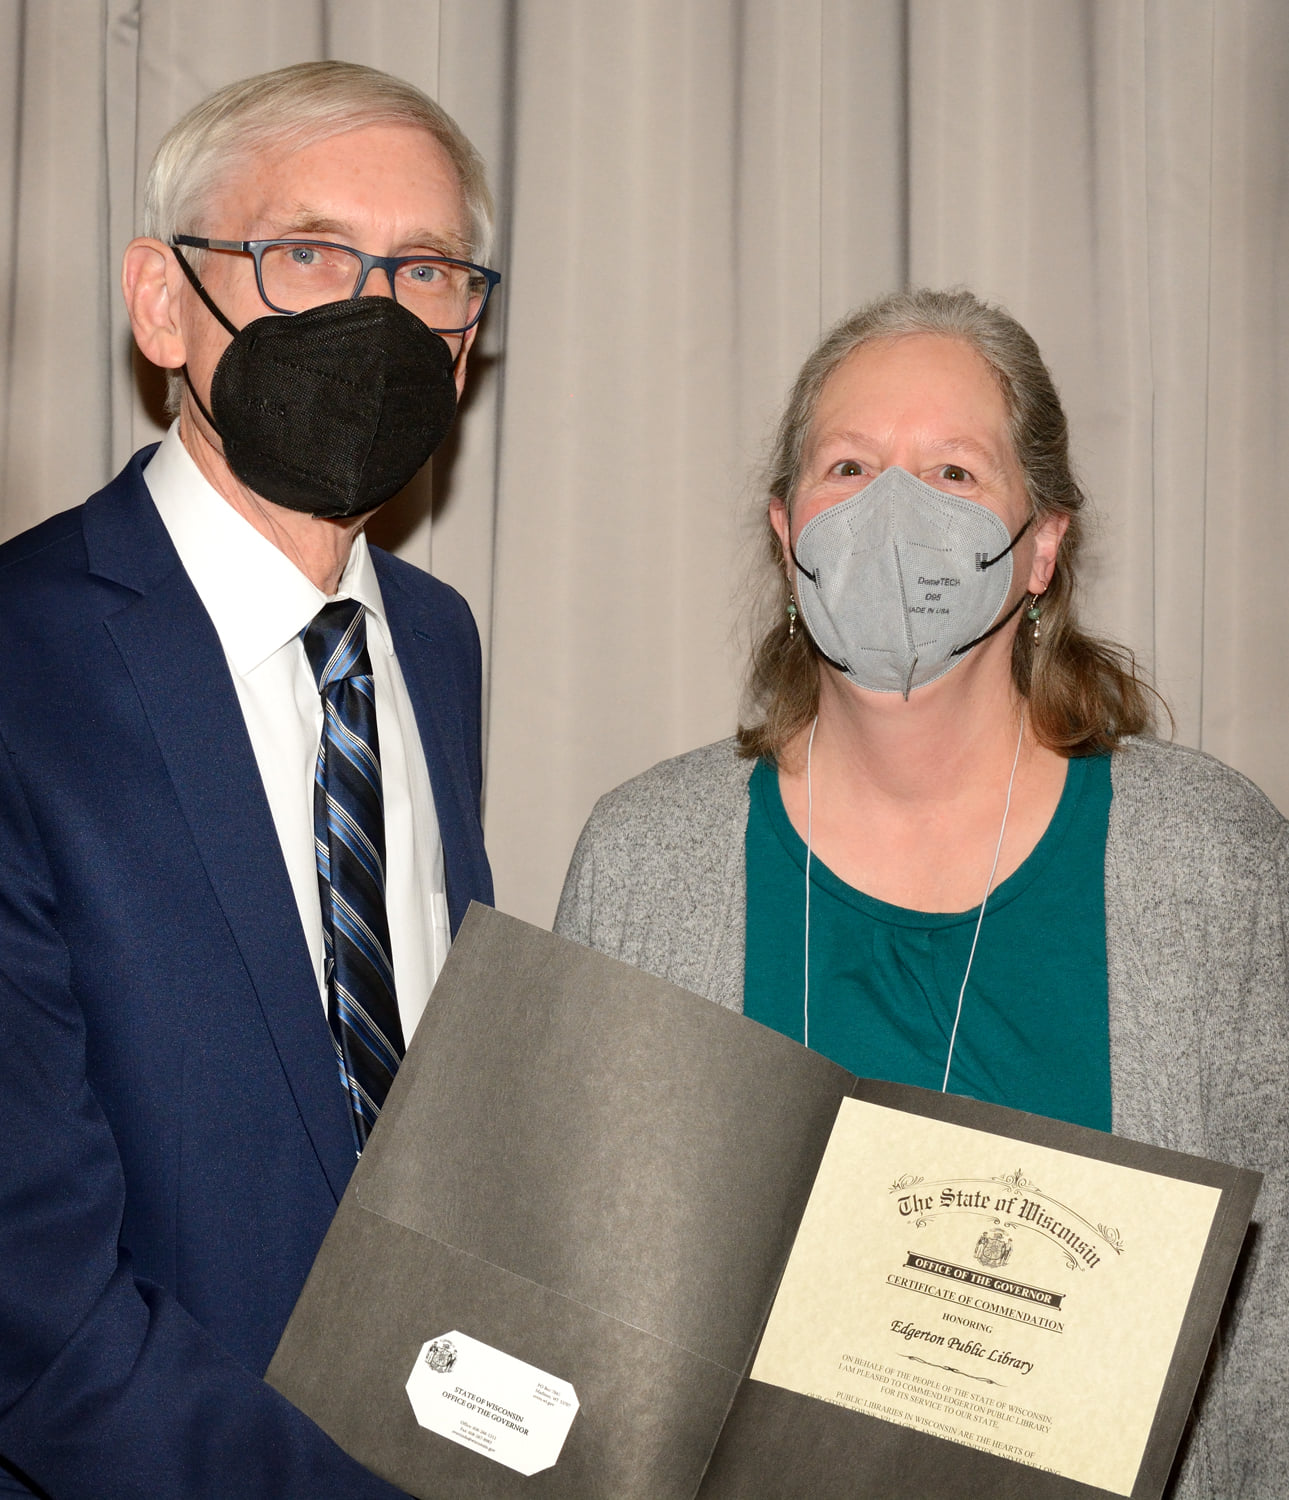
{"x":603,"y":1176}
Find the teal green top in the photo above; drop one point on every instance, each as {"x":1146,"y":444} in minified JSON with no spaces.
{"x":884,"y":980}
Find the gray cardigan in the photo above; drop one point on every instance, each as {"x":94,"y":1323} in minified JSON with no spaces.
{"x":1197,"y":902}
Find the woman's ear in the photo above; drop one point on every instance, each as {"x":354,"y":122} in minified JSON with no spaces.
{"x":781,"y":520}
{"x":150,"y":283}
{"x":1048,"y":535}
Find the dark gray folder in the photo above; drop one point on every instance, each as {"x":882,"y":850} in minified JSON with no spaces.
{"x":602,"y":1175}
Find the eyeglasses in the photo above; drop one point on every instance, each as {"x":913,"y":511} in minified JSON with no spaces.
{"x":294,"y":275}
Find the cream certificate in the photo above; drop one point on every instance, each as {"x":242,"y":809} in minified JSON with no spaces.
{"x":1002,"y":1294}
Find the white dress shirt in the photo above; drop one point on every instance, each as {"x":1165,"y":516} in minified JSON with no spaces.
{"x":259,"y":602}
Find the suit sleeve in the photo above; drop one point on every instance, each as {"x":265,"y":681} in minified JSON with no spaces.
{"x":108,"y":1388}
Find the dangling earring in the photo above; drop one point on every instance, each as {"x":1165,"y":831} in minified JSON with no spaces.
{"x":1035,"y":615}
{"x":792,"y":614}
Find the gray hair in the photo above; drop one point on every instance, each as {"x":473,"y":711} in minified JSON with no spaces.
{"x":297,"y":106}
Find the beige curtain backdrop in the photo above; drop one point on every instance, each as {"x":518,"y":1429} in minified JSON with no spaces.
{"x":691,"y":191}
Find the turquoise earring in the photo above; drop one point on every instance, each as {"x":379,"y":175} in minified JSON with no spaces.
{"x":1034,"y":614}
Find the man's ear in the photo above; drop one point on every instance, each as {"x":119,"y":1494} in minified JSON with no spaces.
{"x":458,"y":364}
{"x":150,"y":281}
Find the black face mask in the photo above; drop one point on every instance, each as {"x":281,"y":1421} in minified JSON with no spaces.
{"x":330,"y":411}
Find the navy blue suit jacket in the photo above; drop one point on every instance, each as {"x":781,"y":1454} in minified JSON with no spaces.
{"x":173,"y":1139}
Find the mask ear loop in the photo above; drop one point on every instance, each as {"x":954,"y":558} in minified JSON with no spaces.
{"x":805,"y":572}
{"x":987,"y":562}
{"x":814,"y":578}
{"x":971,"y":957}
{"x":195,"y":282}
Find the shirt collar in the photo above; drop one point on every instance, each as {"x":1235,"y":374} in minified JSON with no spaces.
{"x":256,"y":597}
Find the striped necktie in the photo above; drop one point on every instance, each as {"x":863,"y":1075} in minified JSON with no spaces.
{"x":349,"y":839}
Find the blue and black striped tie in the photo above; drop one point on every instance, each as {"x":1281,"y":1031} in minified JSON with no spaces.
{"x":349,"y":837}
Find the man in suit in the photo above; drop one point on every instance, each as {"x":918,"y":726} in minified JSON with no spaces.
{"x":209,"y":965}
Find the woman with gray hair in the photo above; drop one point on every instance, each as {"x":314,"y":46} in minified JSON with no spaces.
{"x":943,"y":849}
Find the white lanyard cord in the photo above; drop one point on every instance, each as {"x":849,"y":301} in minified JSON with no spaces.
{"x":993,"y":870}
{"x":810,"y":818}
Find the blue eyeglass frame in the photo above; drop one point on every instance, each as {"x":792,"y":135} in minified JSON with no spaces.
{"x":369,"y":263}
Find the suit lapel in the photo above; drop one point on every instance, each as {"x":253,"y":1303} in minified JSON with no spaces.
{"x":173,"y":655}
{"x":440,"y":667}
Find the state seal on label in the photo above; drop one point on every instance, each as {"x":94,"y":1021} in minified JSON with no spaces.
{"x":441,"y":1355}
{"x":993,"y":1248}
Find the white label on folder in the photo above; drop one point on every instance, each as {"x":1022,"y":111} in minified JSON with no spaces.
{"x":489,"y":1401}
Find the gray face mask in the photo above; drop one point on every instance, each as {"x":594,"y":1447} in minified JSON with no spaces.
{"x":899,"y":582}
